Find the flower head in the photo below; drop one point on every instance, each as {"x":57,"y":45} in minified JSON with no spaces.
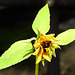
{"x":45,"y":47}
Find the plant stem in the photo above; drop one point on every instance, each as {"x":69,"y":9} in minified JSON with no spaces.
{"x":36,"y":68}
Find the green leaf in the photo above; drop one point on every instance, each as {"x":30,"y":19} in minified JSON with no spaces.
{"x":42,"y":21}
{"x":18,"y":51}
{"x":66,"y":37}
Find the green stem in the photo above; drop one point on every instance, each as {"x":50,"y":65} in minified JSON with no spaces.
{"x":36,"y":68}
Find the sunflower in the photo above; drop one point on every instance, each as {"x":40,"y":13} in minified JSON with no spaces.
{"x":45,"y":47}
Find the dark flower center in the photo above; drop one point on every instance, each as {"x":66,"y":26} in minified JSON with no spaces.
{"x":46,"y":44}
{"x":44,"y":50}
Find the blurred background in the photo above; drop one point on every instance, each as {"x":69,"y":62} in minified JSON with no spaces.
{"x":16,"y":18}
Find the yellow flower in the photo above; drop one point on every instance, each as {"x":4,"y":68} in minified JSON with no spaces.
{"x":45,"y":47}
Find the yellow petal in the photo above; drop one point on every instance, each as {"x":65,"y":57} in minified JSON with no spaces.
{"x":50,"y":54}
{"x":51,"y":47}
{"x":46,"y":57}
{"x":36,"y":52}
{"x":47,"y":49}
{"x":37,"y":44}
{"x":53,"y":52}
{"x":56,"y":45}
{"x":39,"y":59}
{"x":50,"y":36}
{"x":53,"y":43}
{"x":43,"y":63}
{"x":42,"y":37}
